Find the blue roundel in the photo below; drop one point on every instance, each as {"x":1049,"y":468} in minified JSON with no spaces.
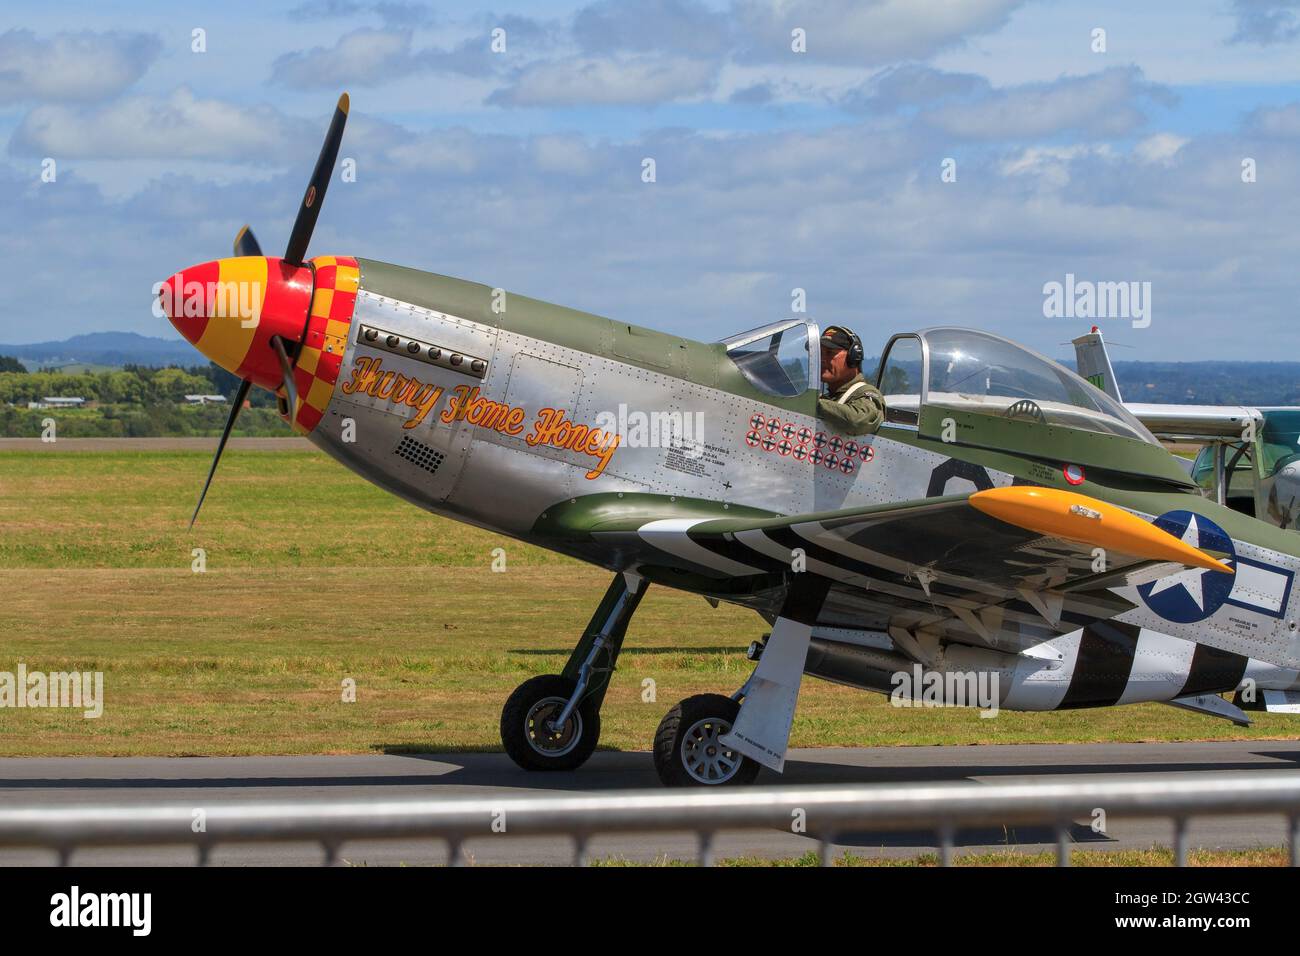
{"x":1194,"y":594}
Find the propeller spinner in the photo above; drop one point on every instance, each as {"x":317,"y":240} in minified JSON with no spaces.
{"x":248,"y":313}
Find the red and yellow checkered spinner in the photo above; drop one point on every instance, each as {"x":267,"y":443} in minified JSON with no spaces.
{"x":232,"y":309}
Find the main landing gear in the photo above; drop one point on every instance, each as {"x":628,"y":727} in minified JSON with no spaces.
{"x":542,"y":732}
{"x":688,"y":752}
{"x":552,"y":722}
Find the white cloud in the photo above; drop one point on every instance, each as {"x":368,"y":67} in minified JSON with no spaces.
{"x":391,"y":12}
{"x":1042,"y":41}
{"x":1160,"y":148}
{"x":866,"y":32}
{"x":447,"y":151}
{"x":1048,"y":167}
{"x":1266,"y":21}
{"x":360,"y":57}
{"x":1282,"y":121}
{"x":855,"y":214}
{"x":72,"y":67}
{"x":563,"y":154}
{"x":609,"y":81}
{"x":1102,"y":104}
{"x":551,"y":203}
{"x":652,"y":25}
{"x":181,"y":126}
{"x":369,"y":57}
{"x":911,"y":84}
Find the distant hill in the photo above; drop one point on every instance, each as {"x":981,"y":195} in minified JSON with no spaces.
{"x":105,"y":348}
{"x":1209,"y":383}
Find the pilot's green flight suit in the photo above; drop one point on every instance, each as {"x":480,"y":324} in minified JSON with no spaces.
{"x":855,"y":408}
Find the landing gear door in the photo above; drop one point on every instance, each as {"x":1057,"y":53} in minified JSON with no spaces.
{"x":548,"y":392}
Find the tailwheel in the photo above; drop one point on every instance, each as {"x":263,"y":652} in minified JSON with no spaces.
{"x":687,"y":750}
{"x":529,"y":727}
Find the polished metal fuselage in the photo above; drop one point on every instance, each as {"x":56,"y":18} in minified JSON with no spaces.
{"x":506,"y":478}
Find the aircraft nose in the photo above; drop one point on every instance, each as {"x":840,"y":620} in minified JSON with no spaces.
{"x":230,"y":309}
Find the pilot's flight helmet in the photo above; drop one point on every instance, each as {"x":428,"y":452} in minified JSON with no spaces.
{"x":838,"y":337}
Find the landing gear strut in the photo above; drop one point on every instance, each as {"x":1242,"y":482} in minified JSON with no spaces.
{"x":552,"y":722}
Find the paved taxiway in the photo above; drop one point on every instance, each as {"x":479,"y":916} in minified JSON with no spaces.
{"x":203,"y":781}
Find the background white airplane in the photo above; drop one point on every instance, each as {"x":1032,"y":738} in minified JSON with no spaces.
{"x":1249,"y":458}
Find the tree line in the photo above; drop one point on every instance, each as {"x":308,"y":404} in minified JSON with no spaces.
{"x":131,"y":402}
{"x":131,"y":385}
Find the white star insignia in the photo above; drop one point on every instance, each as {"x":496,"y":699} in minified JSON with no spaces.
{"x":1191,"y":580}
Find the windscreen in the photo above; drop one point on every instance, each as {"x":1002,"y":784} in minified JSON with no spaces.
{"x":976,"y":371}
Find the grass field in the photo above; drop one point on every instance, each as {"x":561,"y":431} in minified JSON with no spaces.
{"x":313,"y":576}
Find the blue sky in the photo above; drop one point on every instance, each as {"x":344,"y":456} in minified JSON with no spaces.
{"x":776,"y":170}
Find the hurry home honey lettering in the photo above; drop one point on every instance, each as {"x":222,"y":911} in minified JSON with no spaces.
{"x":369,"y":378}
{"x":552,"y":426}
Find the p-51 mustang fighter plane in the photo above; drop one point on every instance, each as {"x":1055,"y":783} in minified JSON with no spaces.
{"x":1010,"y":526}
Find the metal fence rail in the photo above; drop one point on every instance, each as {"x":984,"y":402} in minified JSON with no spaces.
{"x":827,"y":811}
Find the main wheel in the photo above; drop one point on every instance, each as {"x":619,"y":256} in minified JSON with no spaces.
{"x":688,"y":752}
{"x":526,"y":729}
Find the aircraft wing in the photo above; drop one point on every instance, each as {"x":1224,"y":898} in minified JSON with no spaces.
{"x":1004,"y":568}
{"x":1202,"y":423}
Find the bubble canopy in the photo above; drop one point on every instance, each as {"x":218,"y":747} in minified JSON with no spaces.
{"x":986,"y":374}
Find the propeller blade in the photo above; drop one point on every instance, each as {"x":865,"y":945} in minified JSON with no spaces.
{"x":309,"y":211}
{"x":235,"y":406}
{"x":246,"y":243}
{"x":286,"y":367}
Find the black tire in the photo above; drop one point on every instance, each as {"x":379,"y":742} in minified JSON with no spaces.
{"x":521,"y":733}
{"x":681,"y":733}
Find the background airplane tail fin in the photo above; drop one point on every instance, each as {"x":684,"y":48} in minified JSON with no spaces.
{"x":1092,"y":362}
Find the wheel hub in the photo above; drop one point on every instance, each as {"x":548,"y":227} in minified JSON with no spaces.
{"x":704,"y":756}
{"x":542,"y":734}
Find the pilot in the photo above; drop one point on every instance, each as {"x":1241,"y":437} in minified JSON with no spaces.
{"x":851,"y":405}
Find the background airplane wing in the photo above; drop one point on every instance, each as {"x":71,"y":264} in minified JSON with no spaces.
{"x":1197,"y":423}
